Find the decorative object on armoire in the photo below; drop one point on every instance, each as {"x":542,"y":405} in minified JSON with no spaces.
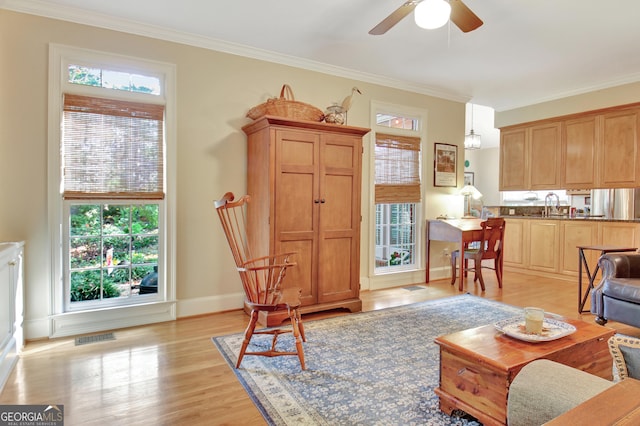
{"x":335,"y":114}
{"x":305,"y":180}
{"x":348,"y":101}
{"x":286,"y":106}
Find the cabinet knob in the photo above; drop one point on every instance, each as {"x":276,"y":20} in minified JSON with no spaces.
{"x":322,"y":201}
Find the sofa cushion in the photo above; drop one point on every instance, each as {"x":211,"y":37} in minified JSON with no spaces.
{"x":625,"y":351}
{"x":627,"y":289}
{"x":545,"y":389}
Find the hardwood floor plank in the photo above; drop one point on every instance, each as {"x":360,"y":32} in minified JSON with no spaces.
{"x":171,"y":373}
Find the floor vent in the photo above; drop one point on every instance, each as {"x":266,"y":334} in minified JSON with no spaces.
{"x":415,"y":287}
{"x":85,"y":340}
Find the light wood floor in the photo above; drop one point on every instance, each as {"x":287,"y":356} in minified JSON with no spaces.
{"x":172,"y":374}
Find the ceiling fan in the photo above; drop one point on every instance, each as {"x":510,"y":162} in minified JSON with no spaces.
{"x":461,"y":15}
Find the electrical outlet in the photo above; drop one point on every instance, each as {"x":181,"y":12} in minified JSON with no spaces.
{"x":512,"y":212}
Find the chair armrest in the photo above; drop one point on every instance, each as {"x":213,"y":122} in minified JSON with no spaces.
{"x":545,"y":389}
{"x":620,"y":265}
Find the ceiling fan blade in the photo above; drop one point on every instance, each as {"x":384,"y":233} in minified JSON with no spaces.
{"x":463,"y":17}
{"x":396,"y":16}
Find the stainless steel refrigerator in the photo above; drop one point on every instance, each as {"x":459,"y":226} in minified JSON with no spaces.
{"x":620,"y":203}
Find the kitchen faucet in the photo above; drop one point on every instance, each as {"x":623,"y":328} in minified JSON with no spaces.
{"x":547,"y":201}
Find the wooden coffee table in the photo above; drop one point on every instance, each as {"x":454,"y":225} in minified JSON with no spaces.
{"x":478,"y":365}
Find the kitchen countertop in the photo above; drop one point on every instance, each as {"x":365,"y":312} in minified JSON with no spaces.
{"x":562,"y":217}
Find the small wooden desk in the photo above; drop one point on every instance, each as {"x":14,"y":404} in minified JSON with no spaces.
{"x":618,"y":405}
{"x":582,"y":261}
{"x":463,"y":231}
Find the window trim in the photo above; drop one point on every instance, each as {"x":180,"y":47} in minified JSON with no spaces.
{"x":64,"y":323}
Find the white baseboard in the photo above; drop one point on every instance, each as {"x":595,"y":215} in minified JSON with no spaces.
{"x":37,"y":328}
{"x":207,"y":305}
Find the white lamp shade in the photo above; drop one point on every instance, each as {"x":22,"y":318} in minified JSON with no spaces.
{"x":432,"y":14}
{"x":472,"y":191}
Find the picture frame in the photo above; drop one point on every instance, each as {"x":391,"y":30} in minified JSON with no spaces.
{"x":469,"y":178}
{"x":445,"y":168}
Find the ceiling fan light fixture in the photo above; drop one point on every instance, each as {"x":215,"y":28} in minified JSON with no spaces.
{"x":432,"y":14}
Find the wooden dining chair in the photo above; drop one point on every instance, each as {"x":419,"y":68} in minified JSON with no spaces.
{"x":490,"y":247}
{"x":262,"y":280}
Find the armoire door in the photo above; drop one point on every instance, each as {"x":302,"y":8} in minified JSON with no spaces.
{"x":297,"y":206}
{"x":339,"y":245}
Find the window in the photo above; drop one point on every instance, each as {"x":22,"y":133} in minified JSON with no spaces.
{"x":397,"y":193}
{"x":112,"y":187}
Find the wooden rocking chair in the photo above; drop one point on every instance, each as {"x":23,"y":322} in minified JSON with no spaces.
{"x":262,"y":280}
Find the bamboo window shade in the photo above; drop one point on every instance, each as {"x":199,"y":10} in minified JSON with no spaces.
{"x":397,"y":169}
{"x":112,"y":149}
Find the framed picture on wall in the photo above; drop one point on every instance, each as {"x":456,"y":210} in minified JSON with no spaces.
{"x":468,"y":178}
{"x":446,"y":164}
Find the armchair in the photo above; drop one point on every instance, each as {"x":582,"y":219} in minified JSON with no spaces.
{"x":617,"y":296}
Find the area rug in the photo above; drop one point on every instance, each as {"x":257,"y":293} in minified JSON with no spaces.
{"x":370,"y":368}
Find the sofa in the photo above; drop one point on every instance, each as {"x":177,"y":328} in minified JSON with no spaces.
{"x":545,"y":389}
{"x":617,"y":296}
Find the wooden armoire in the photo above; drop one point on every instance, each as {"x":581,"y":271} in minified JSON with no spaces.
{"x":304,"y":179}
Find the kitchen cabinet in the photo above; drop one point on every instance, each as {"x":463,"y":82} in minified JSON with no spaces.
{"x":545,"y":156}
{"x":576,"y":233}
{"x":544,"y":245}
{"x":549,"y":246}
{"x":579,"y":160}
{"x":622,"y":234}
{"x":594,"y":149}
{"x":515,"y":250}
{"x":11,"y":312}
{"x":513,"y":159}
{"x":530,"y":157}
{"x":619,"y":154}
{"x":305,"y":182}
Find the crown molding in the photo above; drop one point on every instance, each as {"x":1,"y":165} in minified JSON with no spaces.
{"x":78,"y":16}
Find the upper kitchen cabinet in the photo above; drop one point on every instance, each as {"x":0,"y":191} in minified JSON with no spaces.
{"x":618,"y":156}
{"x":581,"y":136}
{"x":530,"y":157}
{"x":544,"y":156}
{"x":594,"y":149}
{"x":513,"y":159}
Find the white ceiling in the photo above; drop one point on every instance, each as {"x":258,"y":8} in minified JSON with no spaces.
{"x":527,"y":51}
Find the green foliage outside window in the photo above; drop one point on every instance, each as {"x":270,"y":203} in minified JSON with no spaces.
{"x":112,"y":248}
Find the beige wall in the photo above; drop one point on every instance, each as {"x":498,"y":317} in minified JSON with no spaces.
{"x":485,"y":164}
{"x":619,"y":95}
{"x":214,"y":91}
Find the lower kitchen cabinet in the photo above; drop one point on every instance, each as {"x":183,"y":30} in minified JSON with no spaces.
{"x":576,"y":233}
{"x":516,"y":232}
{"x":544,"y":245}
{"x":549,"y":246}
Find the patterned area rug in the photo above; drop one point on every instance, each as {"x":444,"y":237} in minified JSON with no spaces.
{"x":369,"y":368}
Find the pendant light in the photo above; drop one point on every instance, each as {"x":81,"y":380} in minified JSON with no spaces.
{"x":472,"y":140}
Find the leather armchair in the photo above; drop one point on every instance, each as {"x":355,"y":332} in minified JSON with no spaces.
{"x":617,"y":296}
